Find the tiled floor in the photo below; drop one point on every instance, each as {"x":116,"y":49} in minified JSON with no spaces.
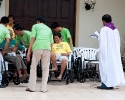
{"x":61,"y":91}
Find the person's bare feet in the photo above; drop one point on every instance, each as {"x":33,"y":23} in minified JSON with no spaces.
{"x":20,"y":76}
{"x":54,"y":69}
{"x":59,"y":77}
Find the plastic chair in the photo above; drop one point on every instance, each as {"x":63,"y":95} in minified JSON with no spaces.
{"x":89,"y":55}
{"x":89,"y":62}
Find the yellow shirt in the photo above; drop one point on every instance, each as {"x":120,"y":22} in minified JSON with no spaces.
{"x":62,"y":47}
{"x":11,"y":28}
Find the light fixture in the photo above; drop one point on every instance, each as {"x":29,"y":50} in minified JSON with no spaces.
{"x":0,"y":3}
{"x":89,"y":4}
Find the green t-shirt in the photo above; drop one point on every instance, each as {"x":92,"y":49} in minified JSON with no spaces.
{"x":43,"y":37}
{"x":11,"y":44}
{"x":65,"y":35}
{"x":4,"y":33}
{"x":25,"y":39}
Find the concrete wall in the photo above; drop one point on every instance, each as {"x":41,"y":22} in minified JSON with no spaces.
{"x":2,"y":9}
{"x":90,"y":21}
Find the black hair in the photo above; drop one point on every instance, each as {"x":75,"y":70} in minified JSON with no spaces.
{"x":4,"y":20}
{"x":41,"y":18}
{"x":57,"y":34}
{"x":11,"y":16}
{"x":54,"y":25}
{"x":17,"y":27}
{"x":107,"y":18}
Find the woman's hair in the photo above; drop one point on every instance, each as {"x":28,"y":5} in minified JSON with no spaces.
{"x":17,"y":27}
{"x":4,"y":20}
{"x":11,"y":16}
{"x":41,"y":18}
{"x":107,"y":18}
{"x":54,"y":25}
{"x":57,"y":34}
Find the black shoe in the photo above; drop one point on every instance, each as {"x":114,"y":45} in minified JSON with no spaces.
{"x":106,"y":88}
{"x":2,"y":86}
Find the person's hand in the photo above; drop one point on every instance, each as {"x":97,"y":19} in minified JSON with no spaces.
{"x":63,"y":54}
{"x":71,"y":48}
{"x":13,"y":49}
{"x":3,"y":52}
{"x":28,"y":57}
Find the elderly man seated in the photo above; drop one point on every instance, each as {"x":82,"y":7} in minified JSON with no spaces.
{"x":60,"y":51}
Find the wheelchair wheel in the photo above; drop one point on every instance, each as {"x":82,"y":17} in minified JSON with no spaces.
{"x":72,"y":76}
{"x":79,"y":70}
{"x":83,"y":78}
{"x":67,"y":80}
{"x":5,"y":81}
{"x":96,"y":77}
{"x":49,"y":77}
{"x":16,"y":80}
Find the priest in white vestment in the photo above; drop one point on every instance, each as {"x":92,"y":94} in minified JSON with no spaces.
{"x":110,"y":66}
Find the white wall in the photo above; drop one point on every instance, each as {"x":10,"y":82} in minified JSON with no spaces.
{"x":90,"y":21}
{"x":2,"y":9}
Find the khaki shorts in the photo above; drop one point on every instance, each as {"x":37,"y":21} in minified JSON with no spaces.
{"x":59,"y":57}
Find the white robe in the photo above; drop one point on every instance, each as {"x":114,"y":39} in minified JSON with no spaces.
{"x":110,"y":66}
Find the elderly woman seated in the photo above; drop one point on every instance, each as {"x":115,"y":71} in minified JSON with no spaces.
{"x":60,"y":51}
{"x":17,"y":60}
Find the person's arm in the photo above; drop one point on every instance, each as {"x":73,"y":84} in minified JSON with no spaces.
{"x":51,"y":40}
{"x":68,"y":35}
{"x":15,"y":48}
{"x":30,"y":49}
{"x":6,"y":45}
{"x":70,"y":40}
{"x":17,"y":41}
{"x":7,"y":38}
{"x":51,"y":46}
{"x":68,"y":50}
{"x":65,"y":54}
{"x":32,"y":39}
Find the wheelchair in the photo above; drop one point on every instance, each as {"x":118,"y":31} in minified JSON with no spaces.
{"x":85,"y":64}
{"x":68,"y":74}
{"x":77,"y":64}
{"x":11,"y":74}
{"x":5,"y":78}
{"x":88,"y":62}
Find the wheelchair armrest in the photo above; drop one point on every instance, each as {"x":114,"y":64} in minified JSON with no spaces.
{"x":70,"y":55}
{"x":90,"y":60}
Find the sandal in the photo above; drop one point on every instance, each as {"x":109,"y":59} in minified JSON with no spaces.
{"x":28,"y":89}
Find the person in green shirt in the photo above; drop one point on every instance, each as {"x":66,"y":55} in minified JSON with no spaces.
{"x":40,"y":45}
{"x":65,"y":33}
{"x":12,"y":43}
{"x":4,"y":34}
{"x":22,"y":36}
